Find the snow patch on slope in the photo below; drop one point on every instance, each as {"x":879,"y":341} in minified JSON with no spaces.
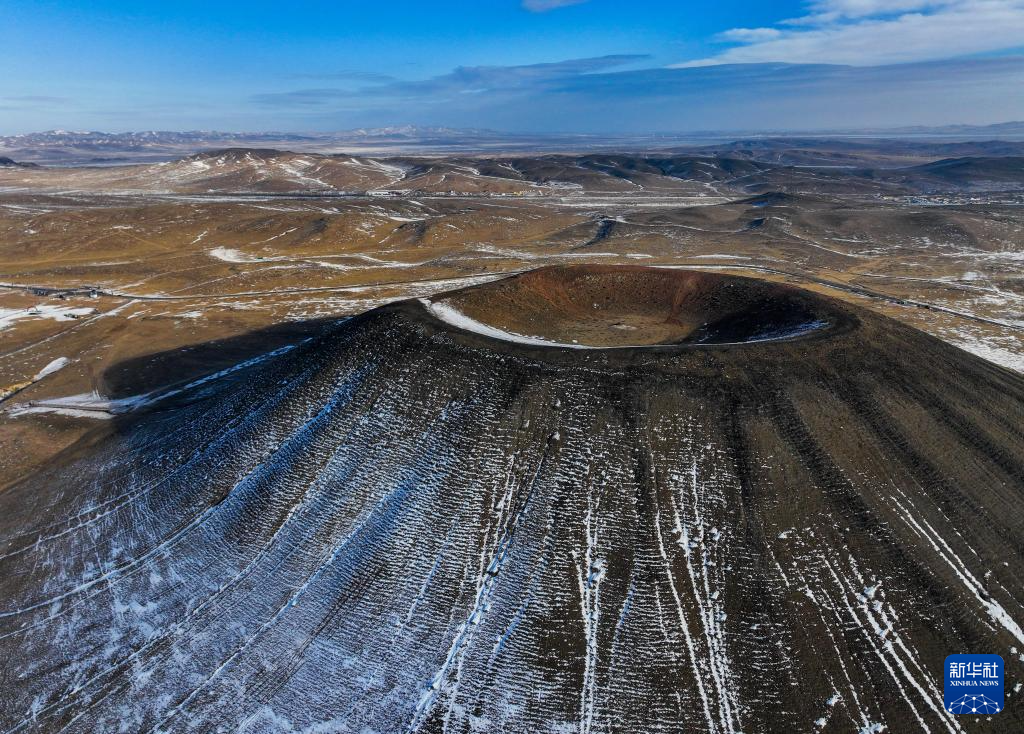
{"x":57,"y":364}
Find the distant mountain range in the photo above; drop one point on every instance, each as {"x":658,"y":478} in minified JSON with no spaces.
{"x":740,"y":168}
{"x":65,"y":147}
{"x":844,"y":147}
{"x":172,"y":137}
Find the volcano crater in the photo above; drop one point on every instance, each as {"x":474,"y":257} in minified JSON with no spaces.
{"x":605,"y":307}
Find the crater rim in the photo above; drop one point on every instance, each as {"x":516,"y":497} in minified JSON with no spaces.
{"x":602,"y":307}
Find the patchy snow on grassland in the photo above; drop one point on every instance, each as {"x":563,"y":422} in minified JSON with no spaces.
{"x":43,"y":311}
{"x":230,"y":255}
{"x":990,"y":348}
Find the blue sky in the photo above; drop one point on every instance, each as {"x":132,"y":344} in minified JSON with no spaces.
{"x":517,"y":65}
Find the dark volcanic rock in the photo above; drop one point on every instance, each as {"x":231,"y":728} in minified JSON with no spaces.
{"x":400,"y":525}
{"x":6,"y":162}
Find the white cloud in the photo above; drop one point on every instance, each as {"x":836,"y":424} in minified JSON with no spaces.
{"x":541,"y":6}
{"x":873,"y":32}
{"x":865,"y":8}
{"x":751,"y":35}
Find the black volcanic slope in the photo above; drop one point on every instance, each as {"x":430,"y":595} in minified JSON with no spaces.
{"x":401,"y":525}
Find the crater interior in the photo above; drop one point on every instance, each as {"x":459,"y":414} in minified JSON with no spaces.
{"x":597,"y":306}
